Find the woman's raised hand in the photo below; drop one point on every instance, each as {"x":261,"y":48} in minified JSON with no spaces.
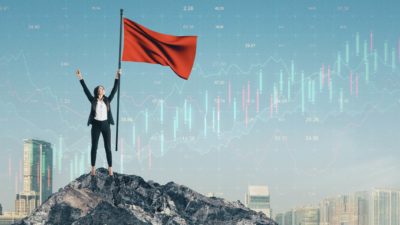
{"x":78,"y":74}
{"x":117,"y":76}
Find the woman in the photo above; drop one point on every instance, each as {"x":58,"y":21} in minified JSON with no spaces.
{"x":100,"y":117}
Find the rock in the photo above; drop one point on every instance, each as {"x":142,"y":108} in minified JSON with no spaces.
{"x":128,"y":199}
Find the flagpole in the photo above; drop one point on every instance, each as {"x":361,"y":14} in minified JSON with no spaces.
{"x":119,"y":86}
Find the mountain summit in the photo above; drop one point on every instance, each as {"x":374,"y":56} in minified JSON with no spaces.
{"x":128,"y":199}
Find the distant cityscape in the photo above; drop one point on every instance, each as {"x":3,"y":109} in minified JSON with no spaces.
{"x":376,"y":207}
{"x":37,"y":180}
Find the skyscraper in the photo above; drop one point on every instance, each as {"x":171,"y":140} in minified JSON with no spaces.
{"x":288,"y":218}
{"x":385,"y":207}
{"x":258,"y":199}
{"x":38,"y":179}
{"x":306,"y":216}
{"x":345,"y":209}
{"x":279,"y":218}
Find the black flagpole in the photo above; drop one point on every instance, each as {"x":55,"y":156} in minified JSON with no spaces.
{"x":119,"y":86}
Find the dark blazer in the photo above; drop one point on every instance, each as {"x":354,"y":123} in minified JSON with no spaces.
{"x":93,"y":101}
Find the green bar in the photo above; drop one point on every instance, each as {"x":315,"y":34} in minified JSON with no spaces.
{"x":320,"y":80}
{"x":302,"y":92}
{"x":385,"y":46}
{"x":393,"y":59}
{"x":313,"y":92}
{"x":357,"y":44}
{"x":365,"y":50}
{"x":292,"y":71}
{"x":190,"y":117}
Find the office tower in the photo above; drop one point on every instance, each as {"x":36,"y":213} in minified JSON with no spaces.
{"x":288,"y":218}
{"x":306,"y":216}
{"x":327,"y":211}
{"x":385,"y":207}
{"x":279,"y":218}
{"x":258,"y":199}
{"x":26,"y":202}
{"x":38,"y":176}
{"x":363,"y":207}
{"x":345,"y":209}
{"x":1,"y":210}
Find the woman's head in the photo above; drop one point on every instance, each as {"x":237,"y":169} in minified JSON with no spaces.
{"x":99,"y":91}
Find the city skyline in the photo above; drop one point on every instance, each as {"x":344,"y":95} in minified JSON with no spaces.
{"x":37,"y":180}
{"x":375,"y":207}
{"x":300,"y":96}
{"x":33,"y":146}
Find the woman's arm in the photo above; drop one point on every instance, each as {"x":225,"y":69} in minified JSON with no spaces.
{"x":116,"y":83}
{"x":85,"y":89}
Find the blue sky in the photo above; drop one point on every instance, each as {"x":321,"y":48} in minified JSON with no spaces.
{"x":316,"y":141}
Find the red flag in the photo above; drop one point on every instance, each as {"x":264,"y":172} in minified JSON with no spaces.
{"x":144,"y":45}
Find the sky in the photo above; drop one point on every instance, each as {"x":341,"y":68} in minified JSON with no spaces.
{"x":302,"y":96}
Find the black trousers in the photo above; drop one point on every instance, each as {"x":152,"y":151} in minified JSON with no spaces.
{"x":102,"y":127}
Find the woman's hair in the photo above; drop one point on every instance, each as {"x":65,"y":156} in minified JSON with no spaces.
{"x":96,"y":91}
{"x":96,"y":95}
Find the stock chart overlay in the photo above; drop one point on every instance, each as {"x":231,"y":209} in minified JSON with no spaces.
{"x":302,"y":96}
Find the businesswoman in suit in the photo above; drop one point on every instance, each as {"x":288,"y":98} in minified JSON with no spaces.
{"x":100,"y":117}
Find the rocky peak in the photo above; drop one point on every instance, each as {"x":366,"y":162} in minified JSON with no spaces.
{"x":128,"y":199}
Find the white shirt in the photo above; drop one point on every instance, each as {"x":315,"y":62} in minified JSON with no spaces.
{"x":101,"y":111}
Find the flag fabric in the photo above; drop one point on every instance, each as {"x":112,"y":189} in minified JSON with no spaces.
{"x":144,"y":45}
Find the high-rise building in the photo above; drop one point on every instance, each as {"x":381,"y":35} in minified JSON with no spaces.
{"x":288,"y":218}
{"x":279,"y":218}
{"x":38,"y":176}
{"x":362,"y":199}
{"x":258,"y":199}
{"x":1,"y":210}
{"x":377,"y":207}
{"x":26,"y":202}
{"x":345,"y":209}
{"x":306,"y":216}
{"x":385,"y":207}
